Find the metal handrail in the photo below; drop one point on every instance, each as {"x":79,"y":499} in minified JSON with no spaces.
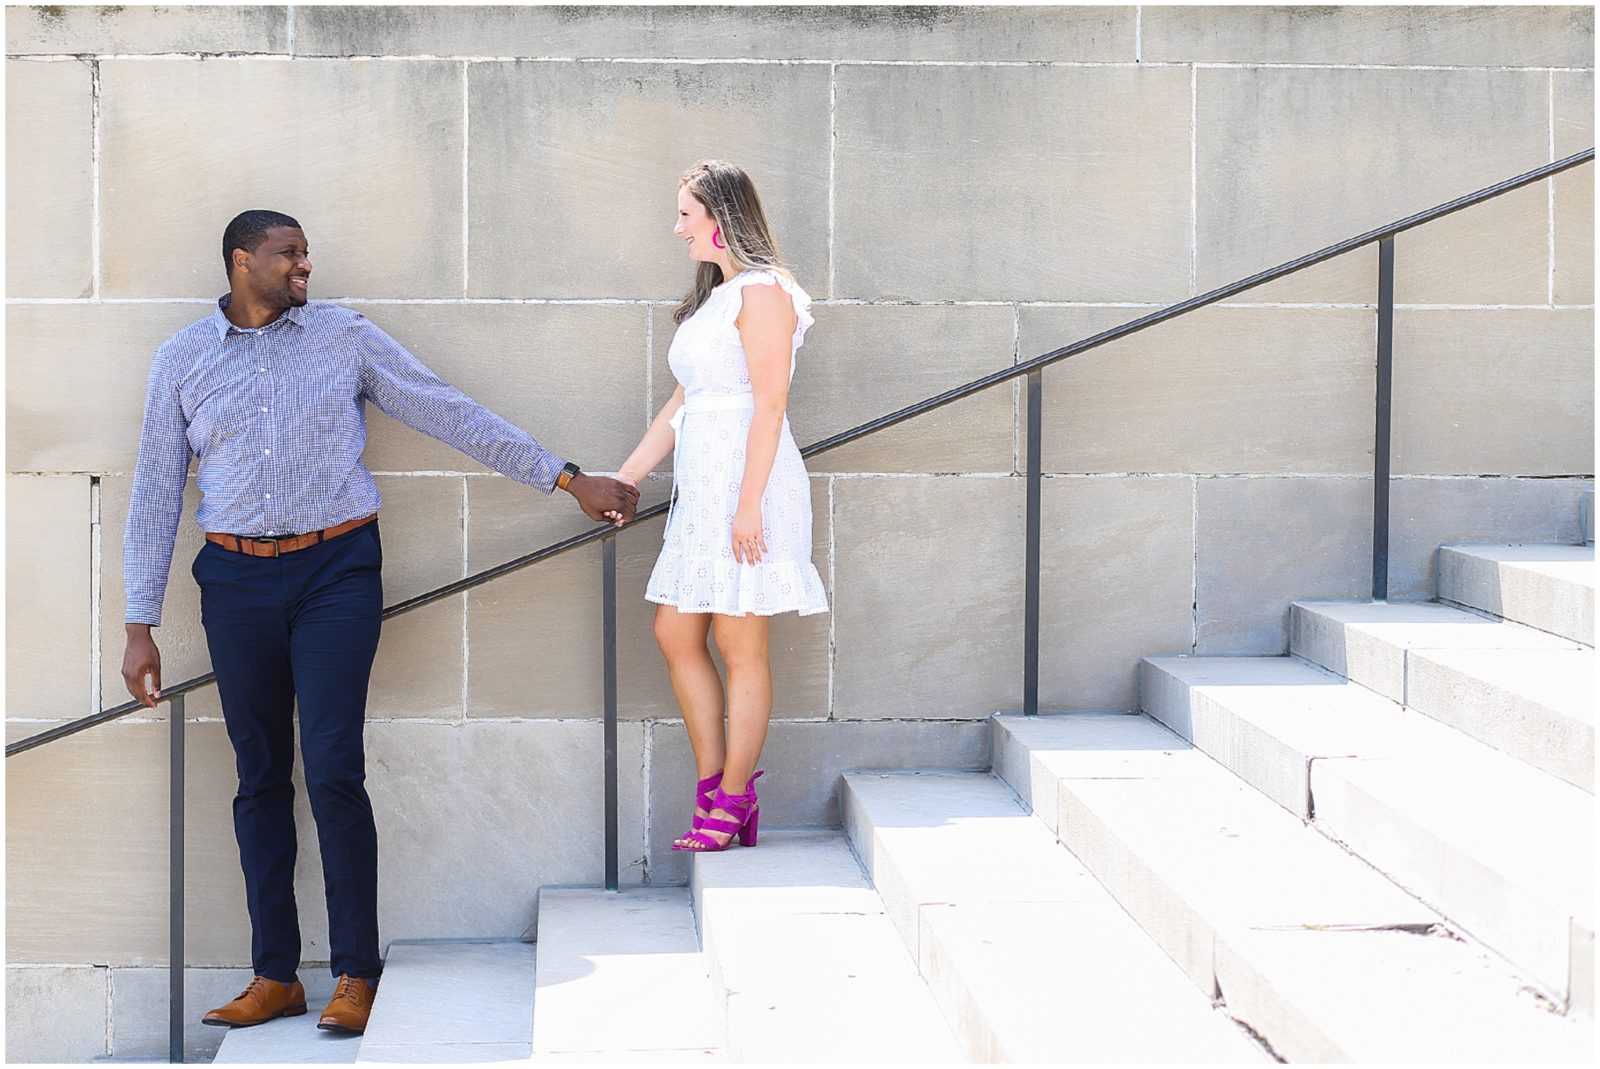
{"x":1221,"y":293}
{"x":1031,"y":369}
{"x":882,"y":423}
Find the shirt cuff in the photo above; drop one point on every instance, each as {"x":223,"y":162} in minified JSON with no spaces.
{"x":143,"y":614}
{"x":556,"y":464}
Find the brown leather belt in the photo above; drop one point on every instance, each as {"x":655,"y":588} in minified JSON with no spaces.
{"x":276,"y":547}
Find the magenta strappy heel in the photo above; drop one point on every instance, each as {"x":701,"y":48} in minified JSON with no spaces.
{"x":746,"y":810}
{"x":704,"y":795}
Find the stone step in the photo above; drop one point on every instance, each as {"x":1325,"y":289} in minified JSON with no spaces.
{"x":620,"y":977}
{"x":1521,"y":691}
{"x":1030,"y":958}
{"x":1546,"y":587}
{"x":1504,"y":851}
{"x":288,"y":1040}
{"x":805,"y":962}
{"x":1317,"y":953}
{"x":453,"y":1002}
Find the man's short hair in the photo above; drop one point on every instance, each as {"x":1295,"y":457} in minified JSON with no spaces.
{"x":248,"y":230}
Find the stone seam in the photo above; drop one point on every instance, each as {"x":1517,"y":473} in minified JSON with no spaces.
{"x":94,"y":180}
{"x":833,"y":593}
{"x":840,"y":302}
{"x":466,"y":596}
{"x":1016,"y":390}
{"x":110,"y":1003}
{"x":647,"y":721}
{"x":1550,"y":193}
{"x":648,"y":749}
{"x":280,"y":57}
{"x":49,"y":474}
{"x":1194,"y":179}
{"x":96,"y":634}
{"x":1194,"y":564}
{"x":832,"y":168}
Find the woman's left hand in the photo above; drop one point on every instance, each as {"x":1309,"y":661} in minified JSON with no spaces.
{"x":748,"y":543}
{"x":622,"y":477}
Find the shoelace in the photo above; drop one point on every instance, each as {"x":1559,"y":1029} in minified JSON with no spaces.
{"x":257,"y":987}
{"x":349,"y":988}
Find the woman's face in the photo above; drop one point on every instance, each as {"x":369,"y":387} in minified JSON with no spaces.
{"x":695,"y":226}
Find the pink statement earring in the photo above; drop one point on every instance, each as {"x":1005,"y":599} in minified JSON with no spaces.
{"x":716,"y":238}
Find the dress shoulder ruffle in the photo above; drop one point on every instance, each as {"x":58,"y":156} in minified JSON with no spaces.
{"x":799,"y":297}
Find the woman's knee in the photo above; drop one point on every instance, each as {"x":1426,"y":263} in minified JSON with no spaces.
{"x":679,"y":638}
{"x":742,"y":643}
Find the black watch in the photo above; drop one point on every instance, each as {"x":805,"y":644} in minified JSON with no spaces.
{"x":568,"y":473}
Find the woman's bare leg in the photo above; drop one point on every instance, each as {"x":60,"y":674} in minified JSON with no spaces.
{"x":682,"y":638}
{"x":742,"y":641}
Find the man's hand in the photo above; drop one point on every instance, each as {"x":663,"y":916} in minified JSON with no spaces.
{"x":604,"y":499}
{"x":141,"y":659}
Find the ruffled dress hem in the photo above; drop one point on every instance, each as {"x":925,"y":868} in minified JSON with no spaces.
{"x":729,"y":588}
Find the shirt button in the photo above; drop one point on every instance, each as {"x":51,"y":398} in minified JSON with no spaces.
{"x":263,"y":408}
{"x":268,"y":452}
{"x":261,"y":369}
{"x":266,"y":495}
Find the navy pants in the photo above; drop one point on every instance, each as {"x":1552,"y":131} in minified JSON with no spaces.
{"x":301,"y":626}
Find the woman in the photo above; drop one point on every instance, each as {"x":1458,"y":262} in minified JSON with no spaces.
{"x":738,"y":541}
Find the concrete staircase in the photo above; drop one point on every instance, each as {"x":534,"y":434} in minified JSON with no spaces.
{"x":621,"y":979}
{"x":1305,"y":943}
{"x":438,"y":1002}
{"x":1029,"y":957}
{"x":1378,"y":848}
{"x":805,"y":963}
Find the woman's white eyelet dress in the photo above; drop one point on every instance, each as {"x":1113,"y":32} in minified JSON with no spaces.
{"x":696,"y":570}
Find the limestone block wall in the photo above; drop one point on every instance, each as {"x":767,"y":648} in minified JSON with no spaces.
{"x":960,"y":189}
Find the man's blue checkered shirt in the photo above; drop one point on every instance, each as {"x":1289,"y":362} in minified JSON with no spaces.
{"x":275,"y":417}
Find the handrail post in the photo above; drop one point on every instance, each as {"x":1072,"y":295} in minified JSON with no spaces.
{"x":175,"y":886}
{"x":608,"y":601}
{"x":1380,"y":450}
{"x":1030,"y":611}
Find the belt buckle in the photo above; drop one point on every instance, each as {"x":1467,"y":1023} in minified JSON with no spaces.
{"x":276,"y":552}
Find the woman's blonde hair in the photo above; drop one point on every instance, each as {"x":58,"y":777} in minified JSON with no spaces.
{"x":730,"y":198}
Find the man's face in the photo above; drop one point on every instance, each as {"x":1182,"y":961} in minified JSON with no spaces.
{"x":278,"y":272}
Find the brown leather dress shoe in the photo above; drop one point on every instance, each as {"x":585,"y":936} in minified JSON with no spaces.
{"x":350,"y":1006}
{"x":264,"y":1000}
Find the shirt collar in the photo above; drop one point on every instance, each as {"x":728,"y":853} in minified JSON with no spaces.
{"x":295,"y":315}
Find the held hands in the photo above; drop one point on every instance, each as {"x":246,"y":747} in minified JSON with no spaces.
{"x":748,"y":542}
{"x":626,"y":480}
{"x":604,"y":499}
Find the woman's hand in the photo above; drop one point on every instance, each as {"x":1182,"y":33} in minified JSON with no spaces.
{"x":748,"y":542}
{"x":628,"y":480}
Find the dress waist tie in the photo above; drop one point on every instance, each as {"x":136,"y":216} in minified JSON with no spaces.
{"x":700,"y":403}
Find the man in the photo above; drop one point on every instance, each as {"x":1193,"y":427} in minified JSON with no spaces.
{"x":268,"y":393}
